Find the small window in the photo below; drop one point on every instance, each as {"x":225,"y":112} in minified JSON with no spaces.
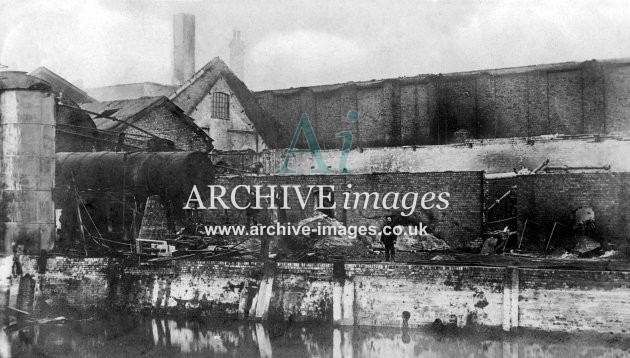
{"x":220,"y":105}
{"x":206,"y":129}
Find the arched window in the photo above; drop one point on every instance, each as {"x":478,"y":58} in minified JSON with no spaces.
{"x":220,"y":105}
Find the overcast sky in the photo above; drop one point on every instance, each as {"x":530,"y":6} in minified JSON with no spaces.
{"x":294,"y":43}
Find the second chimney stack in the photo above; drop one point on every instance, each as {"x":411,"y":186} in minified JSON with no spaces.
{"x":183,"y":47}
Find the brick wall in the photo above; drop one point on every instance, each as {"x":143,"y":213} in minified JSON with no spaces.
{"x":570,"y":98}
{"x":213,"y":288}
{"x":617,"y":98}
{"x":501,"y":213}
{"x":367,"y":294}
{"x":383,"y":292}
{"x":458,"y":224}
{"x":546,"y":198}
{"x":560,"y":300}
{"x":167,"y":124}
{"x":302,"y":292}
{"x":75,"y":282}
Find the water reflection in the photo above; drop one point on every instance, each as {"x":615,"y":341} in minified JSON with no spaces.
{"x":127,"y":336}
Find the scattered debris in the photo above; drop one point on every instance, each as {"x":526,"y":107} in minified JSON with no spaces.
{"x":22,"y":323}
{"x":497,"y":240}
{"x":609,"y":253}
{"x":584,"y":218}
{"x":443,"y":258}
{"x":489,"y":246}
{"x":159,"y":248}
{"x":549,"y":136}
{"x":50,"y":320}
{"x":421,"y":243}
{"x":568,"y":256}
{"x":585,"y":244}
{"x":340,"y":243}
{"x":18,"y":311}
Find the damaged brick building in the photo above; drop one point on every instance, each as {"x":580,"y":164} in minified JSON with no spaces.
{"x":504,"y":122}
{"x":151,"y":117}
{"x":573,"y":116}
{"x":521,"y":149}
{"x":567,"y":98}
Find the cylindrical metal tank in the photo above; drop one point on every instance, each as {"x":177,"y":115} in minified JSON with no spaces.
{"x":146,"y":173}
{"x":27,"y":171}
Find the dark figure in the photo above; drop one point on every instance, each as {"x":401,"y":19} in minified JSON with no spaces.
{"x":250,"y":212}
{"x":388,"y":238}
{"x":16,"y":269}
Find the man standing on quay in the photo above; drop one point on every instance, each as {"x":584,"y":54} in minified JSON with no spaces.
{"x":388,"y":238}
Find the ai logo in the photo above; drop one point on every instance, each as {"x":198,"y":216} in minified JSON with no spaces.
{"x":313,"y":145}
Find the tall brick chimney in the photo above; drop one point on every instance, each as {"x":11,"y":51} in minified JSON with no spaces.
{"x":183,"y":47}
{"x":237,"y":55}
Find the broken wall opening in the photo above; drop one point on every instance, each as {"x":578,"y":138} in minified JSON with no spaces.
{"x":551,"y":198}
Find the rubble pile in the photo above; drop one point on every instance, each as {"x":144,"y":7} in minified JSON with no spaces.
{"x":341,"y":244}
{"x":338,"y":245}
{"x":408,"y":242}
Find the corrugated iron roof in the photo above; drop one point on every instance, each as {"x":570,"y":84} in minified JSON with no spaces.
{"x":128,"y":110}
{"x":130,"y":91}
{"x":20,"y":80}
{"x":60,"y":85}
{"x":132,"y":110}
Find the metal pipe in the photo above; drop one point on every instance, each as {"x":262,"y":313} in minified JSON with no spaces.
{"x":104,"y":131}
{"x":522,"y":234}
{"x":542,"y":165}
{"x":499,"y":200}
{"x":500,"y":175}
{"x":606,"y":167}
{"x":551,"y":235}
{"x":99,"y":115}
{"x":502,"y":220}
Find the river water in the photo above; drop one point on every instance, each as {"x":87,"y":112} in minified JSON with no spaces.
{"x":131,"y":336}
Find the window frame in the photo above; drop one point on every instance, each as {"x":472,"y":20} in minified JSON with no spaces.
{"x":221,"y":105}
